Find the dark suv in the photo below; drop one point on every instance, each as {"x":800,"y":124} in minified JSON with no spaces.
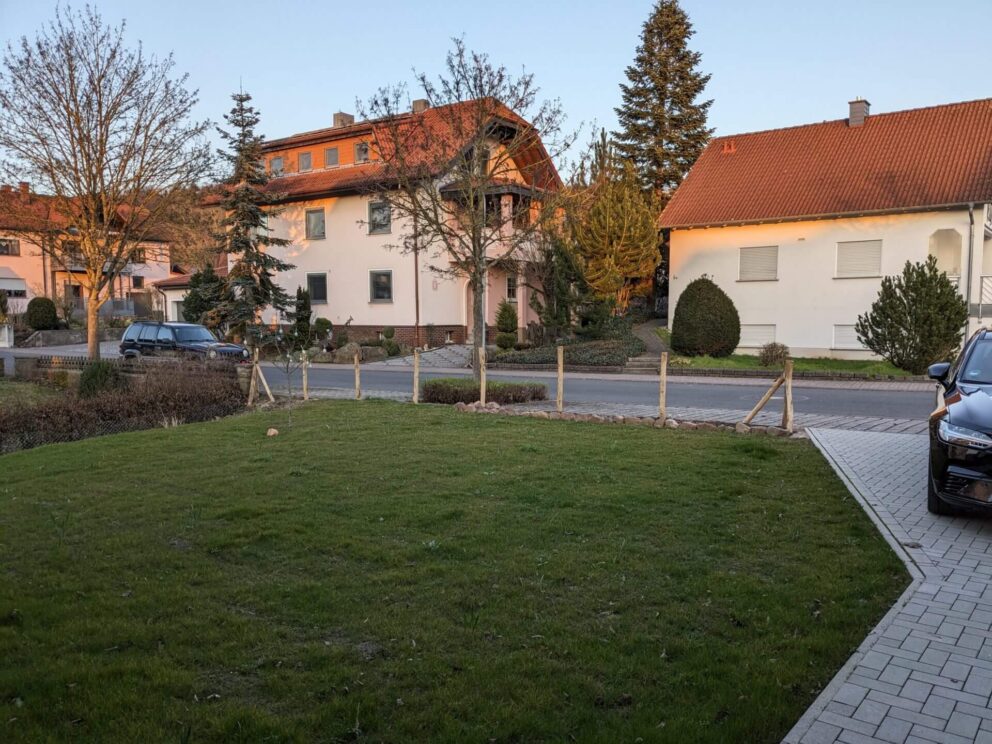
{"x":148,"y":338}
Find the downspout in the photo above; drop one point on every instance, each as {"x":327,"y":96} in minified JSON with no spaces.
{"x":416,"y":284}
{"x":165,"y":304}
{"x":971,"y":254}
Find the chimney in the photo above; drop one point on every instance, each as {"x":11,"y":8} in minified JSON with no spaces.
{"x":420,"y":105}
{"x":6,"y":188}
{"x":857,"y":112}
{"x":25,"y":188}
{"x":342,"y":119}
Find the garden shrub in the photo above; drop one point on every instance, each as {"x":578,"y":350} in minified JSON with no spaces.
{"x":41,"y":314}
{"x":506,"y":340}
{"x":100,"y":377}
{"x":172,"y":392}
{"x":506,"y":318}
{"x":392,"y":348}
{"x":705,"y":321}
{"x":604,"y":353}
{"x":340,"y":339}
{"x":466,"y":390}
{"x":322,"y":328}
{"x":388,"y":332}
{"x":773,"y":355}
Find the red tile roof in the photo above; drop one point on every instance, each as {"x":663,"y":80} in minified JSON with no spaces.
{"x":926,"y":158}
{"x":181,"y":281}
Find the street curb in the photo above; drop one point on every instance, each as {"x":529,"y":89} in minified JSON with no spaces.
{"x":917,"y":563}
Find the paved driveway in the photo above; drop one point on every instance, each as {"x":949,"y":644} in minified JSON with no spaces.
{"x":924,"y":674}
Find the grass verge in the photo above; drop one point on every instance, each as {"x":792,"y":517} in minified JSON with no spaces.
{"x":395,"y":573}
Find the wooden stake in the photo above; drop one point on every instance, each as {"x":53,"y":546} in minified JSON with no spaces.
{"x":358,"y":378}
{"x":482,"y":375}
{"x":764,"y":399}
{"x":787,"y":422}
{"x":416,"y":376}
{"x":253,"y":384}
{"x":306,"y":380}
{"x":265,"y":384}
{"x":560,"y":393}
{"x":663,"y":385}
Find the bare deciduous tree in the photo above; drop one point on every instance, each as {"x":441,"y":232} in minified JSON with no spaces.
{"x":104,"y":134}
{"x":470,"y":172}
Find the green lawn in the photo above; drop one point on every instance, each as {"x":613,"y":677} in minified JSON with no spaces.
{"x":17,"y":391}
{"x":390,"y":573}
{"x":800,"y":364}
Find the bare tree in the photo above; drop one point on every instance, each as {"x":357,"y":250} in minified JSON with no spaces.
{"x":104,"y":133}
{"x":470,"y":173}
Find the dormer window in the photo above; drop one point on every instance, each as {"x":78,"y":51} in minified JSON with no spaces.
{"x":304,"y":162}
{"x":275,"y":166}
{"x":361,"y":152}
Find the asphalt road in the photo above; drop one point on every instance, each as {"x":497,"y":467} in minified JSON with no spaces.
{"x":844,"y":401}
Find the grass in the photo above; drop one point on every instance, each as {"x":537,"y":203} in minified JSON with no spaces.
{"x":390,"y":573}
{"x":18,"y":391}
{"x":873,"y":367}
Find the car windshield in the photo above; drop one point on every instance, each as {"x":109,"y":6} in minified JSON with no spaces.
{"x":978,"y":369}
{"x":194,"y":333}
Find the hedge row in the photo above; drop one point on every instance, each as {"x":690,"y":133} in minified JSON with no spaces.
{"x":167,"y":395}
{"x":452,"y":390}
{"x":604,"y":353}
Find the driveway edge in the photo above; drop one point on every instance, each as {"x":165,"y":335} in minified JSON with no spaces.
{"x":920,"y":568}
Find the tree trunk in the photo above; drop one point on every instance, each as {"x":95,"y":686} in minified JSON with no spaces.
{"x":93,"y":325}
{"x":478,"y":320}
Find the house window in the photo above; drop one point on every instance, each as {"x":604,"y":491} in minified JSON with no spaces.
{"x":859,"y":258}
{"x":72,"y":253}
{"x":380,"y":217}
{"x":511,"y":288}
{"x":317,"y":287}
{"x":381,"y":286}
{"x":845,"y":337}
{"x":315,"y":224}
{"x":10,"y":247}
{"x":754,"y":335}
{"x":275,"y":166}
{"x":304,"y":162}
{"x":138,"y":255}
{"x":361,"y":152}
{"x":137,"y":282}
{"x":14,"y":293}
{"x":331,"y":157}
{"x":758,"y":264}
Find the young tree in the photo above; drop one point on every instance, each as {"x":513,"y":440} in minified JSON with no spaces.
{"x":662,"y":121}
{"x":104,"y":133}
{"x":246,"y":237}
{"x":614,"y":228}
{"x":301,"y":317}
{"x":918,"y":318}
{"x":206,"y":292}
{"x":559,"y":282}
{"x":471,"y":179}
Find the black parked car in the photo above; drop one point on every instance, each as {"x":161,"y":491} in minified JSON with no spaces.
{"x":146,"y":338}
{"x":961,"y":431}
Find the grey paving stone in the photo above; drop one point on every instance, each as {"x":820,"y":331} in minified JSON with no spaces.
{"x":963,"y":725}
{"x":893,"y":730}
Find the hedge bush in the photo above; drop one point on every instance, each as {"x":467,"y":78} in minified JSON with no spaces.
{"x":100,"y":377}
{"x":466,"y":390}
{"x":606,"y":353}
{"x":705,"y":321}
{"x":506,"y":340}
{"x":41,"y":314}
{"x":167,"y":394}
{"x":773,"y":355}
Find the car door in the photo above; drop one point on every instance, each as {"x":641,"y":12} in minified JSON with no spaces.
{"x":165,"y":342}
{"x":147,"y":339}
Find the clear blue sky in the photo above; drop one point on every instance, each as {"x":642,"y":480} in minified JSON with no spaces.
{"x":774,"y":62}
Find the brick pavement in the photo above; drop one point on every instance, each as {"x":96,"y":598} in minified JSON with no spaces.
{"x":924,"y":674}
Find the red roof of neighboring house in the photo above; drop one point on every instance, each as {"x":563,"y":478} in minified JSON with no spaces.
{"x":181,"y":281}
{"x":925,"y":158}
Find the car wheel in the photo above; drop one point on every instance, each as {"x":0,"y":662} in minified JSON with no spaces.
{"x":935,"y":504}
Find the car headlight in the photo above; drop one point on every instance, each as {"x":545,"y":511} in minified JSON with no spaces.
{"x":962,"y":436}
{"x":212,"y":354}
{"x":244,"y":353}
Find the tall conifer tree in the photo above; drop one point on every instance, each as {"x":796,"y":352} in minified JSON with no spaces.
{"x":246,"y":238}
{"x":662,"y":119}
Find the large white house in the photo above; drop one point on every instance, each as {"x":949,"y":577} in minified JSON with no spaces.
{"x":799,"y":225}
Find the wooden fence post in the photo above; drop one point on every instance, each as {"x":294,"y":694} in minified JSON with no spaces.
{"x":662,"y":386}
{"x":358,"y":378}
{"x":787,"y":422}
{"x":265,"y":384}
{"x":482,"y":375}
{"x":253,"y":385}
{"x":306,"y":378}
{"x":416,"y":375}
{"x":560,"y":392}
{"x":765,"y":398}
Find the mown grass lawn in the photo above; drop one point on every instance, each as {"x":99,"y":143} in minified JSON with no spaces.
{"x":389,"y":573}
{"x":873,"y":367}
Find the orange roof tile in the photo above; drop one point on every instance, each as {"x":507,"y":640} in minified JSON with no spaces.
{"x":925,"y":158}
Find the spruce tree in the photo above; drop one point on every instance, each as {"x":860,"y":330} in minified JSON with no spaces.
{"x":247,"y":205}
{"x":662,"y":121}
{"x":205,"y":294}
{"x":918,"y":318}
{"x":301,"y":317}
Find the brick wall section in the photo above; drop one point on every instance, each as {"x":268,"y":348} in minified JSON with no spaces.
{"x":430,"y":335}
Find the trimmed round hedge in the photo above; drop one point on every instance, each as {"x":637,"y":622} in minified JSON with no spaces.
{"x":705,"y":321}
{"x":41,"y":315}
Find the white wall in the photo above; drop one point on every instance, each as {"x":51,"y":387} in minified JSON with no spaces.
{"x":807,"y":301}
{"x":347,"y":254}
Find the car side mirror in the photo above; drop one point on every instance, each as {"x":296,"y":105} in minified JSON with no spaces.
{"x":939,"y":371}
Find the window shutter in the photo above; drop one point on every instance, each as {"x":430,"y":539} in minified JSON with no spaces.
{"x":859,"y":258}
{"x":755,"y":335}
{"x":759,"y":263}
{"x":845,"y":337}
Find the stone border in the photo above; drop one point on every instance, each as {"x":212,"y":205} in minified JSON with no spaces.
{"x":918,"y":564}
